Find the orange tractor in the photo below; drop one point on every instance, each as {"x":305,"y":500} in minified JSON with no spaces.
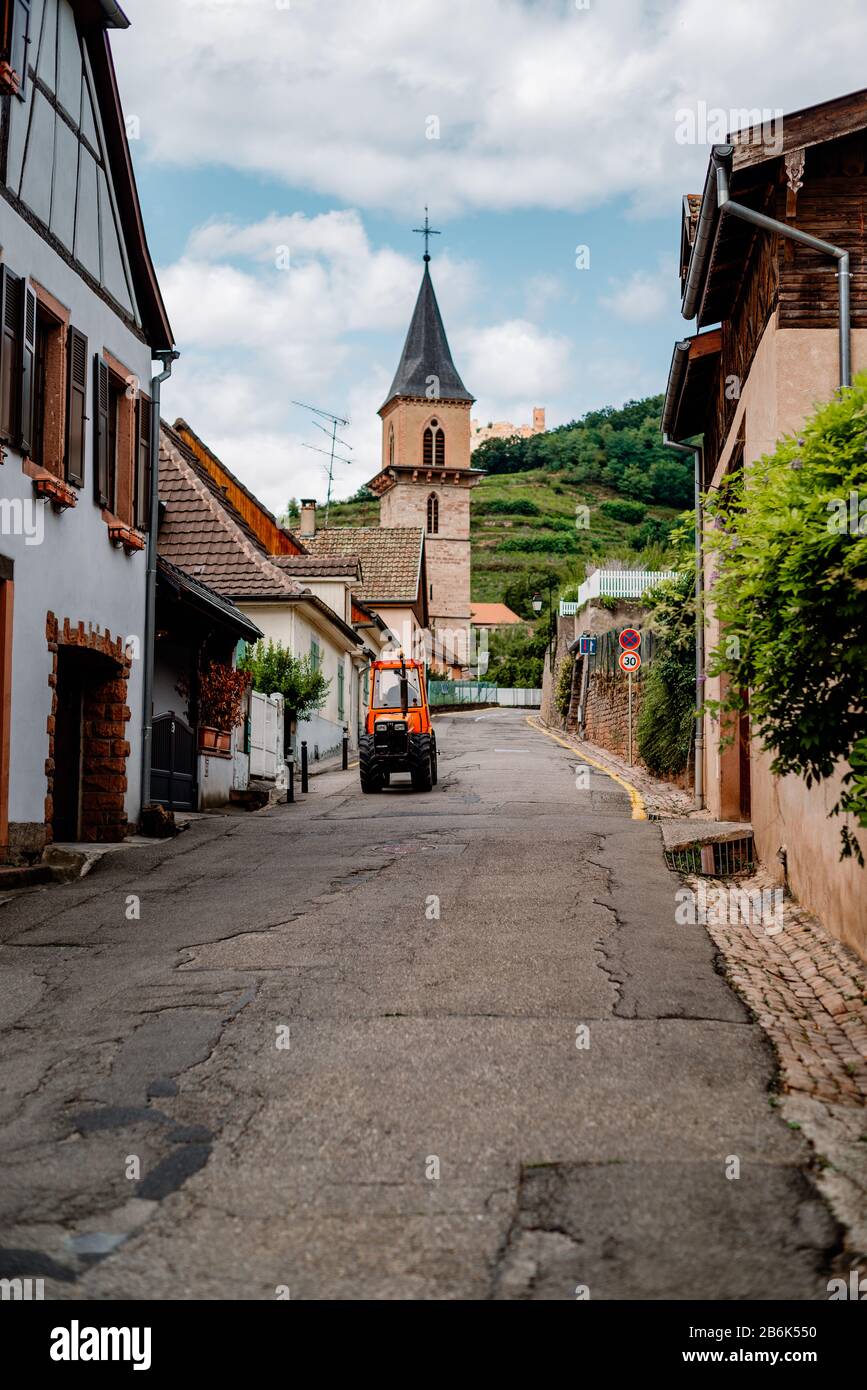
{"x":398,"y":736}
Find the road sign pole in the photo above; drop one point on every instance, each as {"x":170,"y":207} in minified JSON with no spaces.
{"x":629,"y":678}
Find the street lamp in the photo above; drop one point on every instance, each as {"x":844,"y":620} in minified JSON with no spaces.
{"x":537,"y":603}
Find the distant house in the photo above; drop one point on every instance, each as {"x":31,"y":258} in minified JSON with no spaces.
{"x":494,"y":615}
{"x":82,"y":319}
{"x":204,"y":530}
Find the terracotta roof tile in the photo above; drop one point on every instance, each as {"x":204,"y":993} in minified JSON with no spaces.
{"x":390,"y":558}
{"x":203,"y":534}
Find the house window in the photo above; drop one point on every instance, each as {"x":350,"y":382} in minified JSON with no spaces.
{"x":122,"y":423}
{"x":340,"y":679}
{"x":434,"y":446}
{"x":391,"y":446}
{"x":433,"y":514}
{"x":11,"y":288}
{"x":315,"y":654}
{"x":43,"y":406}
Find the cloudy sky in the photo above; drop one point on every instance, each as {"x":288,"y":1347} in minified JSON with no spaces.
{"x":286,"y":149}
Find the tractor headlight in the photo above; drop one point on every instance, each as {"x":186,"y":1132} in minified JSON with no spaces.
{"x":399,"y":727}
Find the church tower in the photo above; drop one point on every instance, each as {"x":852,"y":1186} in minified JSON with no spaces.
{"x":426,"y":477}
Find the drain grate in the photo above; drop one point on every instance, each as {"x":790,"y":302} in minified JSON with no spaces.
{"x":718,"y":859}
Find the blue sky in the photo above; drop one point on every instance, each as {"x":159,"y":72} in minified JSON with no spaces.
{"x":284,"y":154}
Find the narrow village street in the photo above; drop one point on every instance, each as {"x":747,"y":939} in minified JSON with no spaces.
{"x":395,"y":1046}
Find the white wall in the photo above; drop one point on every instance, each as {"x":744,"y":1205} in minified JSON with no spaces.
{"x":75,"y":572}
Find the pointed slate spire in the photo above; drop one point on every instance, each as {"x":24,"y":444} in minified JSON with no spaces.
{"x":426,"y":353}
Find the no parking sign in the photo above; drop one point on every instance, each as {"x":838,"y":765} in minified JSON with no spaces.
{"x":630,"y":639}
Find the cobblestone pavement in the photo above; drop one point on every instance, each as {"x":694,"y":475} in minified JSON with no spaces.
{"x":808,"y":992}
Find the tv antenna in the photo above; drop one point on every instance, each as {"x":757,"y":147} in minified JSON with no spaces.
{"x":329,"y":453}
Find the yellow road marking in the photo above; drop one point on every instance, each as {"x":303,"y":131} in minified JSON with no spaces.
{"x":639,"y":810}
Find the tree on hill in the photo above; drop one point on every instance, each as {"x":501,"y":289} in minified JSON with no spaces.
{"x":618,"y":447}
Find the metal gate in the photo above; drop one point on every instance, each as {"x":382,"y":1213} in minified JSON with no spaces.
{"x":173,"y":763}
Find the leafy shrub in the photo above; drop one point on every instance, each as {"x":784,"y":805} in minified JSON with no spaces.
{"x":791,"y":596}
{"x":509,"y":506}
{"x":619,"y":509}
{"x":563,"y":691}
{"x":275,"y":671}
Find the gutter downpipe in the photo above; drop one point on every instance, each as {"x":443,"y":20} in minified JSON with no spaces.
{"x":696,"y":452}
{"x":167,"y":356}
{"x":770,"y":224}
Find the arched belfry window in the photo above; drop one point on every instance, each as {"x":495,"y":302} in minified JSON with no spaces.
{"x":433,"y":514}
{"x":434,"y":448}
{"x":391,"y":446}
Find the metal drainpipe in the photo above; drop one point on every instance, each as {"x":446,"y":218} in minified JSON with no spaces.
{"x":695,"y":450}
{"x":167,"y":357}
{"x":770,"y":224}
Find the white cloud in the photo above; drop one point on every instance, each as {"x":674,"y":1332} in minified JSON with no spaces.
{"x":540,"y":105}
{"x":643,"y":296}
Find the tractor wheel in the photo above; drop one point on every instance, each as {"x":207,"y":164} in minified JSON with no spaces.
{"x":421,"y":762}
{"x":369,"y":765}
{"x":434,"y":762}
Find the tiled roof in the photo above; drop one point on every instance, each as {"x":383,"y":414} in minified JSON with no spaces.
{"x":390,"y":558}
{"x":309,"y":566}
{"x":492,"y":614}
{"x":207,"y":597}
{"x":204,"y":535}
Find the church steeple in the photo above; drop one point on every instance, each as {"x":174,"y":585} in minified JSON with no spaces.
{"x":426,"y":369}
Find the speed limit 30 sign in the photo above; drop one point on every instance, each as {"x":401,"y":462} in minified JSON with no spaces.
{"x":629,"y":662}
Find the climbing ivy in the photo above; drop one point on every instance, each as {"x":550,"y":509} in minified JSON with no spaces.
{"x":790,"y":549}
{"x":666,"y":722}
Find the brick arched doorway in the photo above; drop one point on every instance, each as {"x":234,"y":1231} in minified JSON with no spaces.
{"x":88,"y":750}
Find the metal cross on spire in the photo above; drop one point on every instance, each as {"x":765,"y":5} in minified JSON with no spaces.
{"x":427,"y":231}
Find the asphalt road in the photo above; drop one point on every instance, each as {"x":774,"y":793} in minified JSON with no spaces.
{"x":439,"y":1046}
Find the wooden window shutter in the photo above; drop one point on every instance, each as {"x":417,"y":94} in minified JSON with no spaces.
{"x":19,"y":41}
{"x":144,"y":435}
{"x":28,"y":370}
{"x":76,"y":405}
{"x":10,"y":328}
{"x":101,"y":433}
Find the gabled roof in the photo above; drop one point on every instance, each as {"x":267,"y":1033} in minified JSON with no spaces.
{"x":720,"y":247}
{"x":275,"y":539}
{"x":493,"y":615}
{"x":391,"y":558}
{"x":207,"y":600}
{"x":325,"y":566}
{"x":426,"y":353}
{"x":203,"y":533}
{"x":155,"y":320}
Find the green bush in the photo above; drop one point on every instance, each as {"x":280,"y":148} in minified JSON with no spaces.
{"x":563,"y":691}
{"x":619,"y":509}
{"x":276,"y":671}
{"x":538,"y":545}
{"x":791,"y":596}
{"x":666,"y":721}
{"x":509,"y":506}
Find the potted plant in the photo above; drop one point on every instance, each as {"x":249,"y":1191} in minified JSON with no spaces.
{"x":219,"y":692}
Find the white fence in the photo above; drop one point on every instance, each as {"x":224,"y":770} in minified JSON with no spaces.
{"x":266,"y":736}
{"x":614,"y":584}
{"x":520,"y":699}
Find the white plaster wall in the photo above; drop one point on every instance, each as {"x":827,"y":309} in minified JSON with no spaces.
{"x":75,"y":572}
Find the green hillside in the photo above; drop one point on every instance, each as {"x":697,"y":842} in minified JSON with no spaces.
{"x":527,"y":518}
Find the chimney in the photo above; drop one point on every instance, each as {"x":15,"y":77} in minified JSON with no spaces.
{"x":539,"y":420}
{"x":307,"y":528}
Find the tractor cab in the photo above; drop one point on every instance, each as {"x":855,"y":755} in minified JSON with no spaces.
{"x":398,"y":735}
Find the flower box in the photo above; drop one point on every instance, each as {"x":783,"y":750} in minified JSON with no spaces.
{"x":10,"y":82}
{"x":213,"y":740}
{"x":127,"y":537}
{"x":59,"y":494}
